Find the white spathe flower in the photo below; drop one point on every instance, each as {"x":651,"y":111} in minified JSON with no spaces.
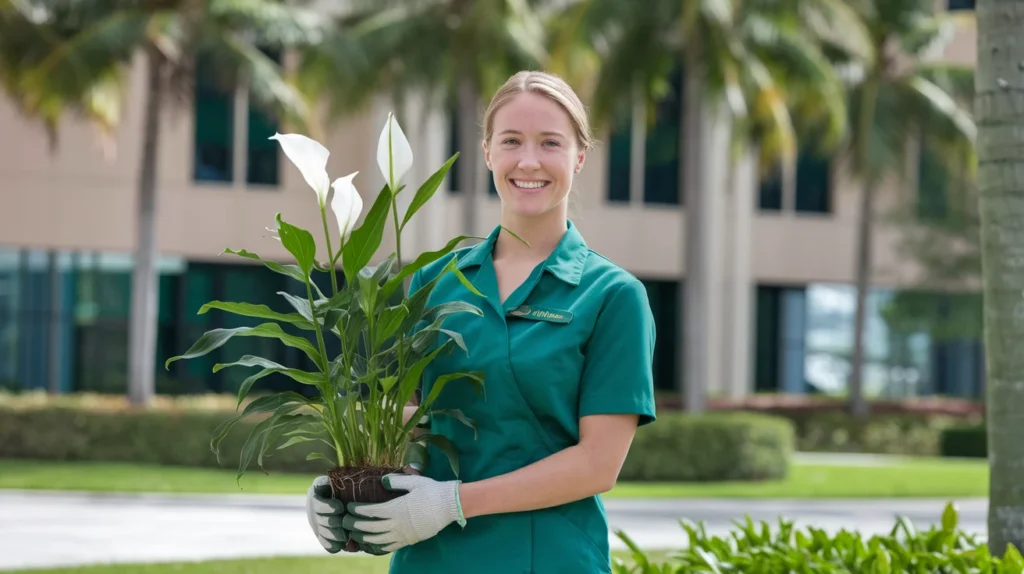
{"x":346,"y":204}
{"x":400,"y":156}
{"x":310,"y":157}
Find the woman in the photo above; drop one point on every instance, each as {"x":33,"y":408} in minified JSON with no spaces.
{"x":565,"y":344}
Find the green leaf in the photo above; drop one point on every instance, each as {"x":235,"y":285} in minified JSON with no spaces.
{"x":465,"y":282}
{"x":458,"y":415}
{"x":387,"y":382}
{"x":284,"y":425}
{"x":265,"y":404}
{"x":300,"y":304}
{"x":303,"y":377}
{"x":411,"y":379}
{"x":257,"y":311}
{"x":415,"y":453}
{"x":215,"y":338}
{"x":1012,"y":559}
{"x":949,"y":517}
{"x":295,"y":440}
{"x":427,"y":190}
{"x":443,"y":310}
{"x":368,"y":291}
{"x":254,"y":361}
{"x":475,"y":377}
{"x":365,"y":239}
{"x":299,"y":243}
{"x":388,"y":323}
{"x":292,"y":271}
{"x":444,"y":445}
{"x":422,"y":261}
{"x":512,"y":233}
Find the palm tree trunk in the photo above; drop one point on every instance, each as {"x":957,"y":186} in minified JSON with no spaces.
{"x":866,"y":120}
{"x":145,"y":284}
{"x":468,"y":153}
{"x":858,"y":406}
{"x":1000,"y":122}
{"x":694,"y":295}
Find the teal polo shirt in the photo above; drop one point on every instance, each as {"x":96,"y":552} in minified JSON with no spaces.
{"x":575,"y":339}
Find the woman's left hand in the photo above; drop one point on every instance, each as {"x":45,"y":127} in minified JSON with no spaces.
{"x":421,"y":513}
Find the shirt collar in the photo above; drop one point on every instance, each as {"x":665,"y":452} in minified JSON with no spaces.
{"x":565,"y":262}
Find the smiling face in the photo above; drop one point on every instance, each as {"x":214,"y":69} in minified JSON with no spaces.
{"x":533,"y":152}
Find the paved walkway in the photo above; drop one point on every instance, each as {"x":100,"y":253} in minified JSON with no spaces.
{"x":54,"y":529}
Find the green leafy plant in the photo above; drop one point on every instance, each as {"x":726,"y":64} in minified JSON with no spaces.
{"x":386,"y":337}
{"x":756,"y":548}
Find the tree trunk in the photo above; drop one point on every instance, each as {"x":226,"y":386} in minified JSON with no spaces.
{"x":865,"y":122}
{"x":694,"y":297}
{"x":469,"y":151}
{"x":858,"y":406}
{"x":1000,"y":119}
{"x":145,"y":284}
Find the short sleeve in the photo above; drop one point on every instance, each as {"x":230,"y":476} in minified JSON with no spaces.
{"x":618,"y":370}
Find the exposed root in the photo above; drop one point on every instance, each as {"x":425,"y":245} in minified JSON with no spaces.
{"x":360,"y":484}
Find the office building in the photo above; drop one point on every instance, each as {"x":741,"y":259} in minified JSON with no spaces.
{"x":784,"y":265}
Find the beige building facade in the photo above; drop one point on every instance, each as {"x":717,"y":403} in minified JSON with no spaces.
{"x":783,"y":266}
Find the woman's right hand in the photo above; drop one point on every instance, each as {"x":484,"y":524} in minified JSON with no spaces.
{"x":325,"y":515}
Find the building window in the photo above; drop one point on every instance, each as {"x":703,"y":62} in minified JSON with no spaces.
{"x":664,"y":299}
{"x":454,"y":185}
{"x":619,"y":152}
{"x":262,"y":154}
{"x":662,"y":157}
{"x":813,"y":185}
{"x":770,"y":193}
{"x":214,"y":130}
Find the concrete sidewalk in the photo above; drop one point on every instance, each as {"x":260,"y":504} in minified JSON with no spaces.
{"x":40,"y":529}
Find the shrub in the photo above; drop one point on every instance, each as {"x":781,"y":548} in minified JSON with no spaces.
{"x":710,"y":447}
{"x":172,"y":437}
{"x":757,"y":548}
{"x":967,"y":441}
{"x":910,"y":426}
{"x":904,"y":434}
{"x":722,"y":446}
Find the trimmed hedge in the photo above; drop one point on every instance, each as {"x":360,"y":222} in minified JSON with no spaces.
{"x":710,"y":447}
{"x":967,"y":441}
{"x":173,"y":438}
{"x":678,"y":447}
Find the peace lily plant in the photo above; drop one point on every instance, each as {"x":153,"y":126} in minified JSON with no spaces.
{"x":386,"y":336}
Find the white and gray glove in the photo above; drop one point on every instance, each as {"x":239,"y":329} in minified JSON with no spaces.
{"x":326,"y":516}
{"x":425,"y":510}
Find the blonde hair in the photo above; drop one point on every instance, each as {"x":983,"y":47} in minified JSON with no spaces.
{"x":550,"y":86}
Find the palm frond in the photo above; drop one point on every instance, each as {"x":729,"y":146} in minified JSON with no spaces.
{"x":940,"y":109}
{"x":267,"y":86}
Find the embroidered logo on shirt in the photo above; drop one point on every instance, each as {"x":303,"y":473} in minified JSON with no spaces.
{"x":541,"y":314}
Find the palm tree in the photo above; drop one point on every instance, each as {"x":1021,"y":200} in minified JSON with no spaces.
{"x":1000,"y":123}
{"x":453,"y":51}
{"x":86,"y":69}
{"x":899,"y":95}
{"x":757,"y":64}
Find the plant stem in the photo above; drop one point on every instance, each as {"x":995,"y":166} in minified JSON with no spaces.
{"x":330,"y":252}
{"x":398,"y":231}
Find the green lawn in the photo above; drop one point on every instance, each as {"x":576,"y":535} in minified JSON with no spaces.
{"x":361,"y":564}
{"x":917,"y":478}
{"x":318,"y":565}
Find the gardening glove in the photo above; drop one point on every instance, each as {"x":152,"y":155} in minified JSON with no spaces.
{"x":428,"y":507}
{"x":325,"y":515}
